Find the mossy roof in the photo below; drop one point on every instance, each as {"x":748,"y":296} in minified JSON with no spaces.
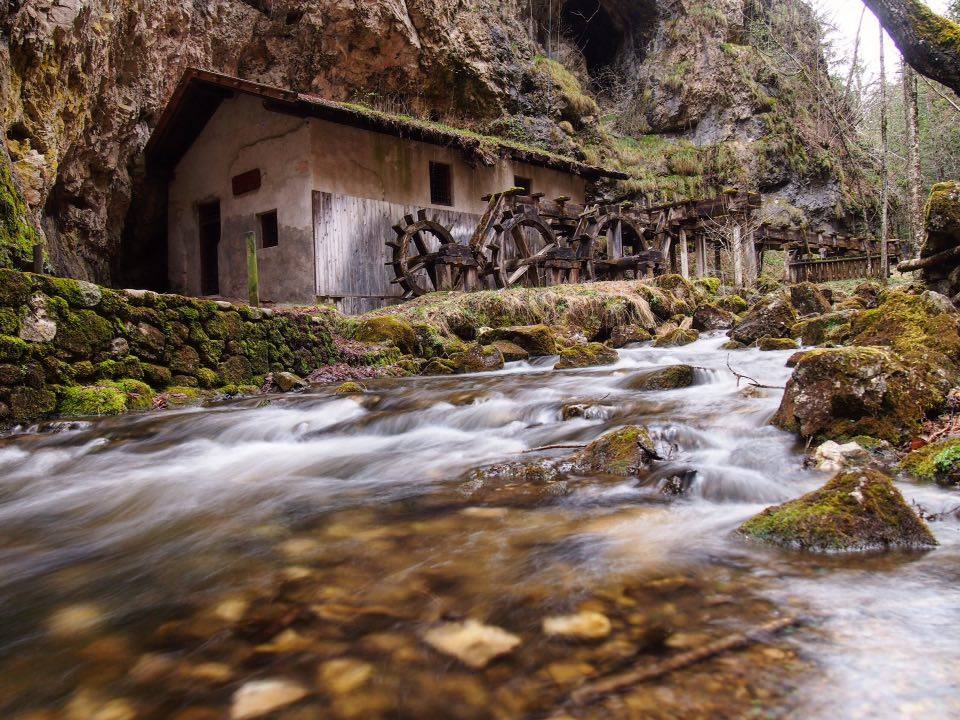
{"x":200,"y":93}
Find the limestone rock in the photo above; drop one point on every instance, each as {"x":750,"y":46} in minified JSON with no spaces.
{"x":287,"y":381}
{"x":511,"y":351}
{"x":855,"y":511}
{"x":832,"y":457}
{"x":262,"y":697}
{"x":471,"y":642}
{"x":586,"y":625}
{"x":37,"y":325}
{"x":773,"y":317}
{"x":586,"y":355}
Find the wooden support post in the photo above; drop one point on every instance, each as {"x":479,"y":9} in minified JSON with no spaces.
{"x":38,"y":258}
{"x":750,"y":272}
{"x":787,"y":256}
{"x":701,"y":246}
{"x":684,"y":256}
{"x":717,"y":262}
{"x":736,"y":249}
{"x":253,"y":271}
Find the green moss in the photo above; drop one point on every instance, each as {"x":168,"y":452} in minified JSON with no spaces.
{"x":81,"y":332}
{"x":586,"y":355}
{"x":92,"y":400}
{"x":768,"y":344}
{"x":576,"y":104}
{"x":350,"y":388}
{"x":933,"y":461}
{"x":139,"y":395}
{"x":619,"y":452}
{"x":855,"y":511}
{"x":15,"y":288}
{"x":710,"y":285}
{"x":235,"y":370}
{"x":387,"y":329}
{"x":538,"y":340}
{"x":676,"y":338}
{"x":669,"y":378}
{"x":907,"y":323}
{"x":733,"y":303}
{"x":9,"y":322}
{"x":27,"y":403}
{"x":17,"y":234}
{"x":208,"y":378}
{"x":12,"y":349}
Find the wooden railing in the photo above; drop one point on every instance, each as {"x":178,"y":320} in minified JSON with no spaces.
{"x":842,"y":268}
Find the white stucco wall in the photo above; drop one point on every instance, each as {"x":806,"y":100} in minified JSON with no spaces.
{"x":297,"y":157}
{"x":242,"y":136}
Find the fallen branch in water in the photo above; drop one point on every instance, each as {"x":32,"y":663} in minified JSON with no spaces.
{"x":561,"y":446}
{"x":928,"y":516}
{"x":750,"y":380}
{"x":617,"y":683}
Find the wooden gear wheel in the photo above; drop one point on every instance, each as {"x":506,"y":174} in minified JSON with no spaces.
{"x":605,"y":249}
{"x":511,"y":257}
{"x":414,"y":252}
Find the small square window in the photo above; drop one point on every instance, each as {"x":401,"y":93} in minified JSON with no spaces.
{"x":441,"y":184}
{"x":269,"y":230}
{"x":525,"y":183}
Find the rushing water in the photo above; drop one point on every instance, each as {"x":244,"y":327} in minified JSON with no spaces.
{"x":151,"y":565}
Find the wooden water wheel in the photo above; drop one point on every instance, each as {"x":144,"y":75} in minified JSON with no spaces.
{"x":515,"y":254}
{"x":617,"y":245}
{"x":415,"y":250}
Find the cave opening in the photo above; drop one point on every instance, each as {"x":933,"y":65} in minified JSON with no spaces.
{"x":599,"y":38}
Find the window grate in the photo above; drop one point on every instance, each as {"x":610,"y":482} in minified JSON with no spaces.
{"x":441,"y":184}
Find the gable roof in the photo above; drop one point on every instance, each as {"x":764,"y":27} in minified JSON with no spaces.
{"x":200,"y":92}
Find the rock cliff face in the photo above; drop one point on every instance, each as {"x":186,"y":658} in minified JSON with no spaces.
{"x":84,"y":81}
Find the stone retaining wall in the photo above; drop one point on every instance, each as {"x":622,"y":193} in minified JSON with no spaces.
{"x":73,"y":348}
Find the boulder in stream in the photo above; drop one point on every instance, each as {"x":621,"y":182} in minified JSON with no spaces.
{"x":840,"y":393}
{"x":620,"y":452}
{"x":807,"y":299}
{"x":538,"y":340}
{"x":471,"y":642}
{"x":709,"y":317}
{"x":854,"y":512}
{"x":938,"y":462}
{"x":773,"y":316}
{"x":676,"y":338}
{"x":586,"y":355}
{"x":669,"y":378}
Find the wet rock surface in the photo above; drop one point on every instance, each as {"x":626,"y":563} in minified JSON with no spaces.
{"x":772,"y":317}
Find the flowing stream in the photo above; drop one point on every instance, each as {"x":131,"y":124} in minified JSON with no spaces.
{"x":151,"y":565}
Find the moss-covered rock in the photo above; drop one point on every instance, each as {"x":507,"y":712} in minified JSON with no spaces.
{"x":839,"y":393}
{"x":511,"y":351}
{"x":157,"y":375}
{"x":109,"y":398}
{"x":938,"y":462}
{"x":586,"y":355}
{"x":908,"y":323}
{"x":709,"y":285}
{"x":235,"y":370}
{"x":626,"y":451}
{"x":733,"y":345}
{"x":733,"y":303}
{"x":709,"y":318}
{"x":184,"y":360}
{"x":82,"y":332}
{"x":387,"y":328}
{"x":77,"y":293}
{"x":477,"y":358}
{"x":855,"y":511}
{"x":15,"y":287}
{"x":807,"y":299}
{"x":10,"y":374}
{"x":12,"y":349}
{"x":538,"y":340}
{"x":773,"y":316}
{"x":669,"y":378}
{"x":623,"y":335}
{"x":832,"y":328}
{"x":677,"y":338}
{"x":17,"y":233}
{"x":9,"y":321}
{"x":768,"y":344}
{"x":350,"y":388}
{"x":28,"y":403}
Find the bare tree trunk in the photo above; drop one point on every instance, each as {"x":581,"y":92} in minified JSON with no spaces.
{"x":884,"y":164}
{"x":912,"y":111}
{"x":856,"y":57}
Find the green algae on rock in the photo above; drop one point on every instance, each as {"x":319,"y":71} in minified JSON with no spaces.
{"x":669,"y":378}
{"x":907,"y":323}
{"x":772,"y":316}
{"x":538,"y":340}
{"x":586,"y":355}
{"x":938,"y":462}
{"x":768,"y":344}
{"x":855,"y":512}
{"x":626,"y":451}
{"x":677,"y":338}
{"x":839,"y":393}
{"x":387,"y":329}
{"x":807,"y":299}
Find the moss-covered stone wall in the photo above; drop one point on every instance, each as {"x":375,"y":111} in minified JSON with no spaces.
{"x":73,"y":348}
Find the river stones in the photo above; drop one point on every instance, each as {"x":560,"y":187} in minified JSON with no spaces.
{"x":708,"y":318}
{"x":75,"y":620}
{"x":261,"y":697}
{"x":471,"y":642}
{"x":586,"y":625}
{"x":538,"y":340}
{"x":511,"y":351}
{"x":676,"y":338}
{"x":807,"y":299}
{"x":344,"y":675}
{"x":832,"y":456}
{"x":769,"y":344}
{"x":856,"y":511}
